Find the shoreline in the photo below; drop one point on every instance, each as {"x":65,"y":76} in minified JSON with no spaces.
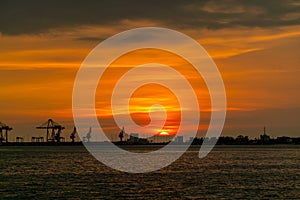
{"x":126,"y":144}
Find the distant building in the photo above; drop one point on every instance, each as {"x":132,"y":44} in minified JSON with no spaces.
{"x":242,"y":139}
{"x":134,"y":138}
{"x":265,"y":138}
{"x":284,"y":140}
{"x":179,"y":139}
{"x":160,"y":138}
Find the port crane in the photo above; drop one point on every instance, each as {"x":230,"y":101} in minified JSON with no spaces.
{"x":6,"y":128}
{"x":53,"y":130}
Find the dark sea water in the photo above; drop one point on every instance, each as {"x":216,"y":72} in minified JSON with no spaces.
{"x":228,"y":172}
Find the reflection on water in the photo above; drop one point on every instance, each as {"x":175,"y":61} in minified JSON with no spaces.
{"x":227,"y":172}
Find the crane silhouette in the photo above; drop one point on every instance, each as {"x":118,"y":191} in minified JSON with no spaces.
{"x":121,"y":134}
{"x":53,"y":130}
{"x":73,"y":135}
{"x":6,"y":128}
{"x":89,"y":135}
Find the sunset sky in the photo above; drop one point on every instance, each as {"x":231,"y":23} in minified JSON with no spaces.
{"x":255,"y":45}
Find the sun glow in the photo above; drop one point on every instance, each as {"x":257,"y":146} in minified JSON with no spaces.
{"x":163,"y":133}
{"x":144,"y":97}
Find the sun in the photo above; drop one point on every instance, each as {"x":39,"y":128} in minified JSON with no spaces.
{"x":163,"y":133}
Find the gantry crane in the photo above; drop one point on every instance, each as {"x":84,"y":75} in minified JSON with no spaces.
{"x":6,"y":128}
{"x":53,"y":130}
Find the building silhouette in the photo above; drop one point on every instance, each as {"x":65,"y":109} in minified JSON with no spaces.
{"x":265,"y":138}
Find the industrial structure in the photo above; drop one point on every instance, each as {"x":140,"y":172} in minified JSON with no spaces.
{"x":265,"y":138}
{"x":73,"y":135}
{"x":6,"y":128}
{"x":121,"y":134}
{"x":88,"y":136}
{"x":53,"y":130}
{"x":19,"y":139}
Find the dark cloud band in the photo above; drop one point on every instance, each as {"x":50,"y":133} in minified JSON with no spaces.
{"x":32,"y":16}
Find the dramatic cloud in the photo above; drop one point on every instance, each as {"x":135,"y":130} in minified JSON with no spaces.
{"x":32,"y":16}
{"x":255,"y":45}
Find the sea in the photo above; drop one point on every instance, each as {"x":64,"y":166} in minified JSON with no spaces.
{"x":228,"y":172}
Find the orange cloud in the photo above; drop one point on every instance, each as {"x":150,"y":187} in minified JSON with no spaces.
{"x":260,"y":68}
{"x":150,"y":94}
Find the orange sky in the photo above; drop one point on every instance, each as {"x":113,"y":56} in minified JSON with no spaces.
{"x":259,"y":65}
{"x":148,"y":95}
